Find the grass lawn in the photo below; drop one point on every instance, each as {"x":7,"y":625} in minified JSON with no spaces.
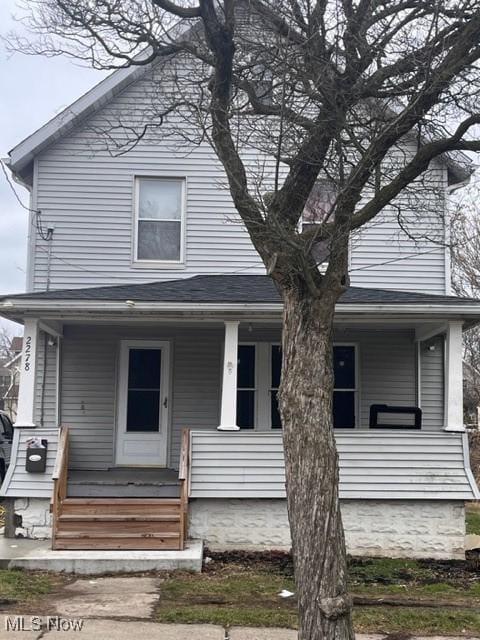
{"x":418,"y":597}
{"x":390,"y":596}
{"x":25,"y":587}
{"x":473,"y":518}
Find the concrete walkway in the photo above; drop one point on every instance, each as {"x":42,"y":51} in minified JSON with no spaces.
{"x":123,"y":630}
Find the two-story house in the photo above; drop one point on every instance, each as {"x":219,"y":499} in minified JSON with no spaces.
{"x":148,"y":313}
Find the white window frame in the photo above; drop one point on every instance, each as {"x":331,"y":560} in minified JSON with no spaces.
{"x":158,"y":264}
{"x":263,"y":384}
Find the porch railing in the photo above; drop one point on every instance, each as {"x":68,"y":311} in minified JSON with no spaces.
{"x":59,"y":477}
{"x":184,"y":477}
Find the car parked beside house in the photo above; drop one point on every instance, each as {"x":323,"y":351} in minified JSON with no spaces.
{"x":6,"y":437}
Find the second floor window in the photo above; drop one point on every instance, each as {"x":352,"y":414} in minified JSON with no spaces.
{"x":159,"y":219}
{"x":320,"y":203}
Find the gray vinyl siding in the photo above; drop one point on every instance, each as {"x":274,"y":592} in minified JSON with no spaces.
{"x":404,"y":246}
{"x":46,"y":383}
{"x":432,"y":391}
{"x":18,"y":482}
{"x":373,"y":465}
{"x":88,"y":396}
{"x":386,"y":368}
{"x":250,"y":465}
{"x":387,"y":374}
{"x":86,"y":194}
{"x":89,"y":378}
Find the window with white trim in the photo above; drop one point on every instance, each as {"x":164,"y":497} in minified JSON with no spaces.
{"x":275,"y":373}
{"x":258,"y":379}
{"x":345,"y":386}
{"x":319,"y":209}
{"x":320,"y":203}
{"x":159,"y":220}
{"x":246,"y":386}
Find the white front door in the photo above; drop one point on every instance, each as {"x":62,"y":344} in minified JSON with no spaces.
{"x":142,"y":424}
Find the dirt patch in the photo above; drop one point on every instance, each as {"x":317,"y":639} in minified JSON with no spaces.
{"x":279,"y":562}
{"x":361,"y":570}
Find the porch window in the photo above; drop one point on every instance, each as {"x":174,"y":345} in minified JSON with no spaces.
{"x":246,"y":392}
{"x":259,"y":368}
{"x":345,"y":392}
{"x":159,"y":220}
{"x":275,"y":372}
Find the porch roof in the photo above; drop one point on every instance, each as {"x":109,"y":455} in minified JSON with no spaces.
{"x":225,"y":292}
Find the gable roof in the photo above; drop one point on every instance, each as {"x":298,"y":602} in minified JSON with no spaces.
{"x":21,"y":156}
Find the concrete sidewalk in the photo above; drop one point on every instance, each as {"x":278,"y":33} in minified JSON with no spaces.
{"x":123,"y":630}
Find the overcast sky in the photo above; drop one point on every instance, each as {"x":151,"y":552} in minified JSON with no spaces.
{"x":34,"y":89}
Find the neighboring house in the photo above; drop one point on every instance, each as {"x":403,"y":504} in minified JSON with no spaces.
{"x":9,"y":378}
{"x":148,"y":312}
{"x":4,"y":380}
{"x":16,"y":346}
{"x":12,"y":365}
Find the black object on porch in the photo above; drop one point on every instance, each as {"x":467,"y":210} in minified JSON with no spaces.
{"x":376,"y":409}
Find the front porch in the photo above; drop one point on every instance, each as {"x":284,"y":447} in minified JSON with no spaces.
{"x":128,"y":379}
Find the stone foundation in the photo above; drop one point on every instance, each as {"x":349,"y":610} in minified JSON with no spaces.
{"x":32,"y":518}
{"x":395,"y":528}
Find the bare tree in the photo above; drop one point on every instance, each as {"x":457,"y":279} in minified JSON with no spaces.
{"x":10,"y":379}
{"x":322,"y":90}
{"x":6,"y":337}
{"x":465,"y":250}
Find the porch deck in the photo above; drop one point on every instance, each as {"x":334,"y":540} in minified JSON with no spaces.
{"x":123,"y":482}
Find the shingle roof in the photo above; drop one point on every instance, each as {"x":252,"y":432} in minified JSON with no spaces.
{"x":227,"y":289}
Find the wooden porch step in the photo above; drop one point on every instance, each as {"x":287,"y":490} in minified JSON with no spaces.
{"x":113,"y":501}
{"x":119,"y":523}
{"x":82,"y":517}
{"x":120,"y":526}
{"x":121,"y":507}
{"x":118,"y":544}
{"x":108,"y":541}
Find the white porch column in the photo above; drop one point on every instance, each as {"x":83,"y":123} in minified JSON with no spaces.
{"x":26,"y":391}
{"x":454,"y":377}
{"x":228,"y":414}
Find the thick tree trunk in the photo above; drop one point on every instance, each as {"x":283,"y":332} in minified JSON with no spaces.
{"x":311,"y":465}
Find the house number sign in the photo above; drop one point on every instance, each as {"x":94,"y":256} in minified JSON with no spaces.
{"x":28,"y":353}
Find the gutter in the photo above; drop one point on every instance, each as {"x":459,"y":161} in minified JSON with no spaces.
{"x":9,"y":307}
